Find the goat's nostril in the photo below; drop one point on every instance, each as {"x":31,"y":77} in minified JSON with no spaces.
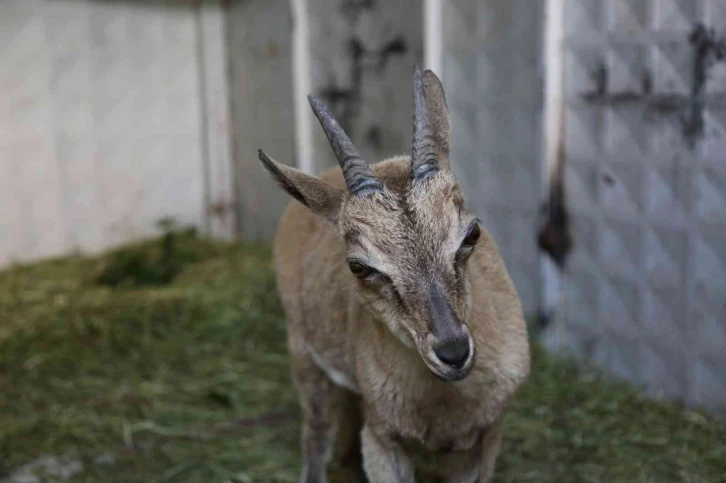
{"x":453,"y":352}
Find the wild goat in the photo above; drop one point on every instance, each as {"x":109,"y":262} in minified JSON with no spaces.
{"x":420,"y":340}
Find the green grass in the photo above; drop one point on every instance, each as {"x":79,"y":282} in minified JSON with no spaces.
{"x":188,"y":381}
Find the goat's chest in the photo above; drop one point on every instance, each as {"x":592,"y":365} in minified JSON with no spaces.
{"x":442,"y":420}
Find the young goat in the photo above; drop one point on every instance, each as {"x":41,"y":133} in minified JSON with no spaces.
{"x":420,"y":341}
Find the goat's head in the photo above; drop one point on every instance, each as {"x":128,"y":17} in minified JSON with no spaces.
{"x":408,"y":247}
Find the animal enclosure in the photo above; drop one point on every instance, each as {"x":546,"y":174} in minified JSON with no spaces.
{"x":115,"y":114}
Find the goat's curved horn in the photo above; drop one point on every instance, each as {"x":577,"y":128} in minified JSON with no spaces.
{"x":423,"y":156}
{"x":358,"y":176}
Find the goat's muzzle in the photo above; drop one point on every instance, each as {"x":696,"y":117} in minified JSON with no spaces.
{"x":451,"y":358}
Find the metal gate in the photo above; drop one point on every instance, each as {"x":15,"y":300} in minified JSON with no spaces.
{"x":644,"y":291}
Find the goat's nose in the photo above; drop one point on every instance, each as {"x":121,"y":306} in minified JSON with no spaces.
{"x":453,"y":352}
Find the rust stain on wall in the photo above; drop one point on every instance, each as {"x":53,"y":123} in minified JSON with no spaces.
{"x":708,"y":49}
{"x":554,"y":237}
{"x":345,"y":100}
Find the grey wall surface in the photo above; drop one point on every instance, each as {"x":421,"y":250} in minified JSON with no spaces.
{"x":262,"y":107}
{"x":100,"y":123}
{"x":645,"y":290}
{"x":219,"y":175}
{"x":362,"y":58}
{"x":493,"y":80}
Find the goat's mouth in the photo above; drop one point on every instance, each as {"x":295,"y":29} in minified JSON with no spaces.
{"x":447,"y":371}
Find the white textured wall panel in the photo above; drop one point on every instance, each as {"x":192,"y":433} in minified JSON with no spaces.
{"x":644,"y":290}
{"x":100,"y":117}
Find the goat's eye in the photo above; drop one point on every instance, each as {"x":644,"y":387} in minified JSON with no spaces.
{"x":473,"y":236}
{"x":360,"y":270}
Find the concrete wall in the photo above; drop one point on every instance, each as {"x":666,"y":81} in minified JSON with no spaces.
{"x":260,"y":49}
{"x":220,"y":198}
{"x":362,"y":57}
{"x":359,"y":57}
{"x":101,"y":121}
{"x":643,"y":125}
{"x":645,"y":121}
{"x":119,"y":113}
{"x":493,"y":76}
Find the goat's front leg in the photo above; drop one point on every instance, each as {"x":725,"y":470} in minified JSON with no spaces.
{"x":384,"y":460}
{"x":477,"y":464}
{"x":321,"y":402}
{"x":489,"y":452}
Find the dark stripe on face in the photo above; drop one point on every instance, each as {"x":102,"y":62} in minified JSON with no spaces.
{"x":400,"y":304}
{"x":351,"y":235}
{"x":444,"y":322}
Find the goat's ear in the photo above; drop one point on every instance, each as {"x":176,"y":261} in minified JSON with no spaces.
{"x":438,"y":115}
{"x":322,"y":198}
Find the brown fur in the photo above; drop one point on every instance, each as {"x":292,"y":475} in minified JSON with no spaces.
{"x":370,"y":340}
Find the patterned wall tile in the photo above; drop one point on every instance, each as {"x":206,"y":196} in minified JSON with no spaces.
{"x":626,"y":130}
{"x":709,"y":330}
{"x":714,"y":141}
{"x":581,"y":299}
{"x":495,"y":24}
{"x":710,"y":197}
{"x":583,"y":184}
{"x":586,"y":250}
{"x":493,"y":125}
{"x":665,"y":257}
{"x":666,"y":315}
{"x":582,"y":341}
{"x":664,"y":370}
{"x":624,"y":357}
{"x":709,"y":268}
{"x":667,"y":195}
{"x":586,"y":66}
{"x":585,"y":134}
{"x":459,"y":24}
{"x":708,"y":381}
{"x":629,"y":66}
{"x":466,"y":148}
{"x":714,"y":14}
{"x":585,"y":16}
{"x":647,"y":188}
{"x":630,"y":16}
{"x":620,"y":306}
{"x":494,"y":75}
{"x":621,"y":187}
{"x":459,"y":71}
{"x":673,"y":67}
{"x":676,"y":15}
{"x":620,"y":248}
